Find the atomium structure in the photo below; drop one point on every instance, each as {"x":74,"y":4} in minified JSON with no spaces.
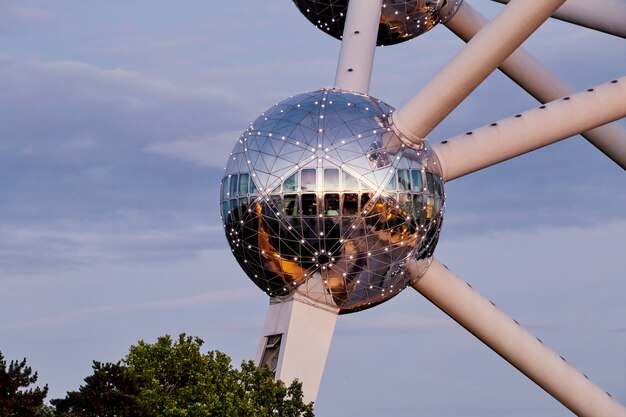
{"x":321,"y":197}
{"x":332,"y":201}
{"x":400,"y":20}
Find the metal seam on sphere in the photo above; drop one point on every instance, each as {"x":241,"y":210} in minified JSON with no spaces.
{"x":330,"y":209}
{"x":400,"y":21}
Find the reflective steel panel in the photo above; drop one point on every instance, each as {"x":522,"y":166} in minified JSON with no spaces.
{"x":321,"y":197}
{"x":400,"y":20}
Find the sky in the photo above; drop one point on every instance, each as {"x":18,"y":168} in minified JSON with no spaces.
{"x":116,"y":120}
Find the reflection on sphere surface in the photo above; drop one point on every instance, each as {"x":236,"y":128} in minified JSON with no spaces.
{"x":400,"y":20}
{"x":319,"y":196}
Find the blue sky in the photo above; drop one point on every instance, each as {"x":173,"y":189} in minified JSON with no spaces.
{"x":116,"y":119}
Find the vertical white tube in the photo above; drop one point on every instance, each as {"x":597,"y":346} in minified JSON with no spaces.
{"x":515,"y":344}
{"x":358,"y":46}
{"x":479,"y":58}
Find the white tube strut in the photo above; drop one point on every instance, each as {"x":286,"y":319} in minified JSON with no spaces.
{"x":358,"y":45}
{"x":542,"y":84}
{"x":608,"y":16}
{"x":533,"y":129}
{"x":479,"y":58}
{"x":515,"y":344}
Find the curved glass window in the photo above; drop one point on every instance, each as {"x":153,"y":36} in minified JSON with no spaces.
{"x":233,"y":185}
{"x":430,"y":183}
{"x":331,"y":180}
{"x":253,"y":187}
{"x":309,"y":204}
{"x":404,"y":182}
{"x":350,"y":204}
{"x":224,"y":188}
{"x":309,"y":179}
{"x":416,"y":177}
{"x":349,"y":182}
{"x":243,"y":184}
{"x":291,"y":204}
{"x":331,"y":204}
{"x":291,"y":183}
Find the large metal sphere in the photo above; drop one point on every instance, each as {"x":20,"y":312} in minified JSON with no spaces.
{"x":400,"y":20}
{"x":319,"y":196}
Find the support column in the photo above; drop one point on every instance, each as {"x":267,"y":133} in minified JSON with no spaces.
{"x":538,"y":81}
{"x":515,"y":344}
{"x":531,"y":130}
{"x":479,"y":58}
{"x":295,"y":341}
{"x":358,"y":45}
{"x":606,"y":16}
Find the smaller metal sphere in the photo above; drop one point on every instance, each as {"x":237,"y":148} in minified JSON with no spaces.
{"x":400,"y":20}
{"x":321,"y":197}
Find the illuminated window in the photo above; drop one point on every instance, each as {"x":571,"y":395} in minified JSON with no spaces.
{"x":349,"y":182}
{"x":391,"y":185}
{"x":416,"y":176}
{"x":278,"y":201}
{"x":309,"y":179}
{"x":291,"y":183}
{"x":291,"y":204}
{"x":404,"y":180}
{"x":225,"y":188}
{"x":365,"y":197}
{"x":430,"y":182}
{"x":234,"y":213}
{"x":233,"y":185}
{"x":331,"y":179}
{"x":404,"y":200}
{"x":253,"y":188}
{"x":225,"y":211}
{"x":243,"y":183}
{"x":243,"y":206}
{"x":418,"y":205}
{"x":309,"y":204}
{"x":350,"y":204}
{"x":331,"y":204}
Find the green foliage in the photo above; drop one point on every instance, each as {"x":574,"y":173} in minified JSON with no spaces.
{"x":174,"y":379}
{"x":16,"y":399}
{"x":110,"y":391}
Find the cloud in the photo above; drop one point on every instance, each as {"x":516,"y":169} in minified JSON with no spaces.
{"x":56,"y":107}
{"x":203,"y":151}
{"x":222,"y":296}
{"x":17,"y":18}
{"x":70,"y":245}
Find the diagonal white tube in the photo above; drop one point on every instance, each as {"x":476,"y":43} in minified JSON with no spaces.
{"x":533,"y":129}
{"x":479,"y":58}
{"x":358,"y":46}
{"x":515,"y":344}
{"x":608,"y":16}
{"x":542,"y":84}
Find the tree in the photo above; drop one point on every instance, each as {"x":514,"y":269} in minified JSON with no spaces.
{"x":111,"y":391}
{"x":174,"y":379}
{"x":16,"y":399}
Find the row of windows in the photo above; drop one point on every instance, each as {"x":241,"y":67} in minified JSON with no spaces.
{"x":332,"y":179}
{"x":332,"y":204}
